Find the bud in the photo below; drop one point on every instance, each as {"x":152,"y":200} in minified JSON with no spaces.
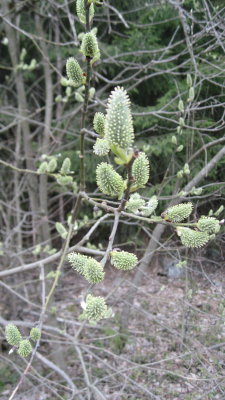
{"x":25,"y":348}
{"x":101,"y":147}
{"x":89,"y":46}
{"x":135,"y":203}
{"x":77,"y":262}
{"x":186,"y":169}
{"x":35,"y":334}
{"x":140,"y":170}
{"x":43,"y":167}
{"x":99,"y":123}
{"x":191,"y":238}
{"x":93,"y":271}
{"x":181,"y":106}
{"x":64,"y":180}
{"x":79,"y":97}
{"x":52,"y":165}
{"x":123,"y":260}
{"x":109,"y":181}
{"x":33,"y":64}
{"x":208,"y":224}
{"x":12,"y":335}
{"x":74,"y":72}
{"x":179,"y":148}
{"x":174,"y":140}
{"x":178,"y":213}
{"x":196,"y":191}
{"x":81,"y":12}
{"x":58,"y":98}
{"x":150,"y":206}
{"x":191,"y":94}
{"x":189,"y":80}
{"x":66,"y":165}
{"x":180,"y":174}
{"x":220,"y":209}
{"x":118,"y":122}
{"x":91,"y":93}
{"x":23,"y":54}
{"x":61,"y":230}
{"x":181,"y":122}
{"x":179,"y":130}
{"x":68,"y":91}
{"x":64,"y":81}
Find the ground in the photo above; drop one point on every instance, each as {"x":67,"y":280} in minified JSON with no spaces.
{"x":173,"y":348}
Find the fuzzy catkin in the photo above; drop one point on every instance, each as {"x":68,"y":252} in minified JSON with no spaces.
{"x":93,"y":271}
{"x":208,"y":224}
{"x":96,"y":308}
{"x":123,"y":260}
{"x":99,"y":123}
{"x":118,"y":122}
{"x":77,"y":262}
{"x":81,"y":12}
{"x":140,"y":170}
{"x":89,"y":46}
{"x":74,"y":72}
{"x":178,"y":212}
{"x":12,"y":335}
{"x":109,"y":181}
{"x":192,"y":238}
{"x":25,"y":348}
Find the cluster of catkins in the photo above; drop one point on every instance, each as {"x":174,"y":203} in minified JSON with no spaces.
{"x":116,"y":134}
{"x":15,"y":339}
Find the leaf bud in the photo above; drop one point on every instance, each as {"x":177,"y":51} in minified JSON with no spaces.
{"x":61,"y":230}
{"x":189,"y":80}
{"x":64,"y":180}
{"x":220,"y":209}
{"x":181,"y":106}
{"x":79,"y":97}
{"x":150,"y":206}
{"x":135,"y":203}
{"x":174,"y":140}
{"x":43,"y":167}
{"x":179,"y":148}
{"x":186,"y":169}
{"x":181,"y":122}
{"x":52,"y":165}
{"x":191,"y":94}
{"x":66,"y":165}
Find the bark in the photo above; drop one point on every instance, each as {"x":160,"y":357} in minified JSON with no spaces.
{"x":32,"y":181}
{"x":43,"y":187}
